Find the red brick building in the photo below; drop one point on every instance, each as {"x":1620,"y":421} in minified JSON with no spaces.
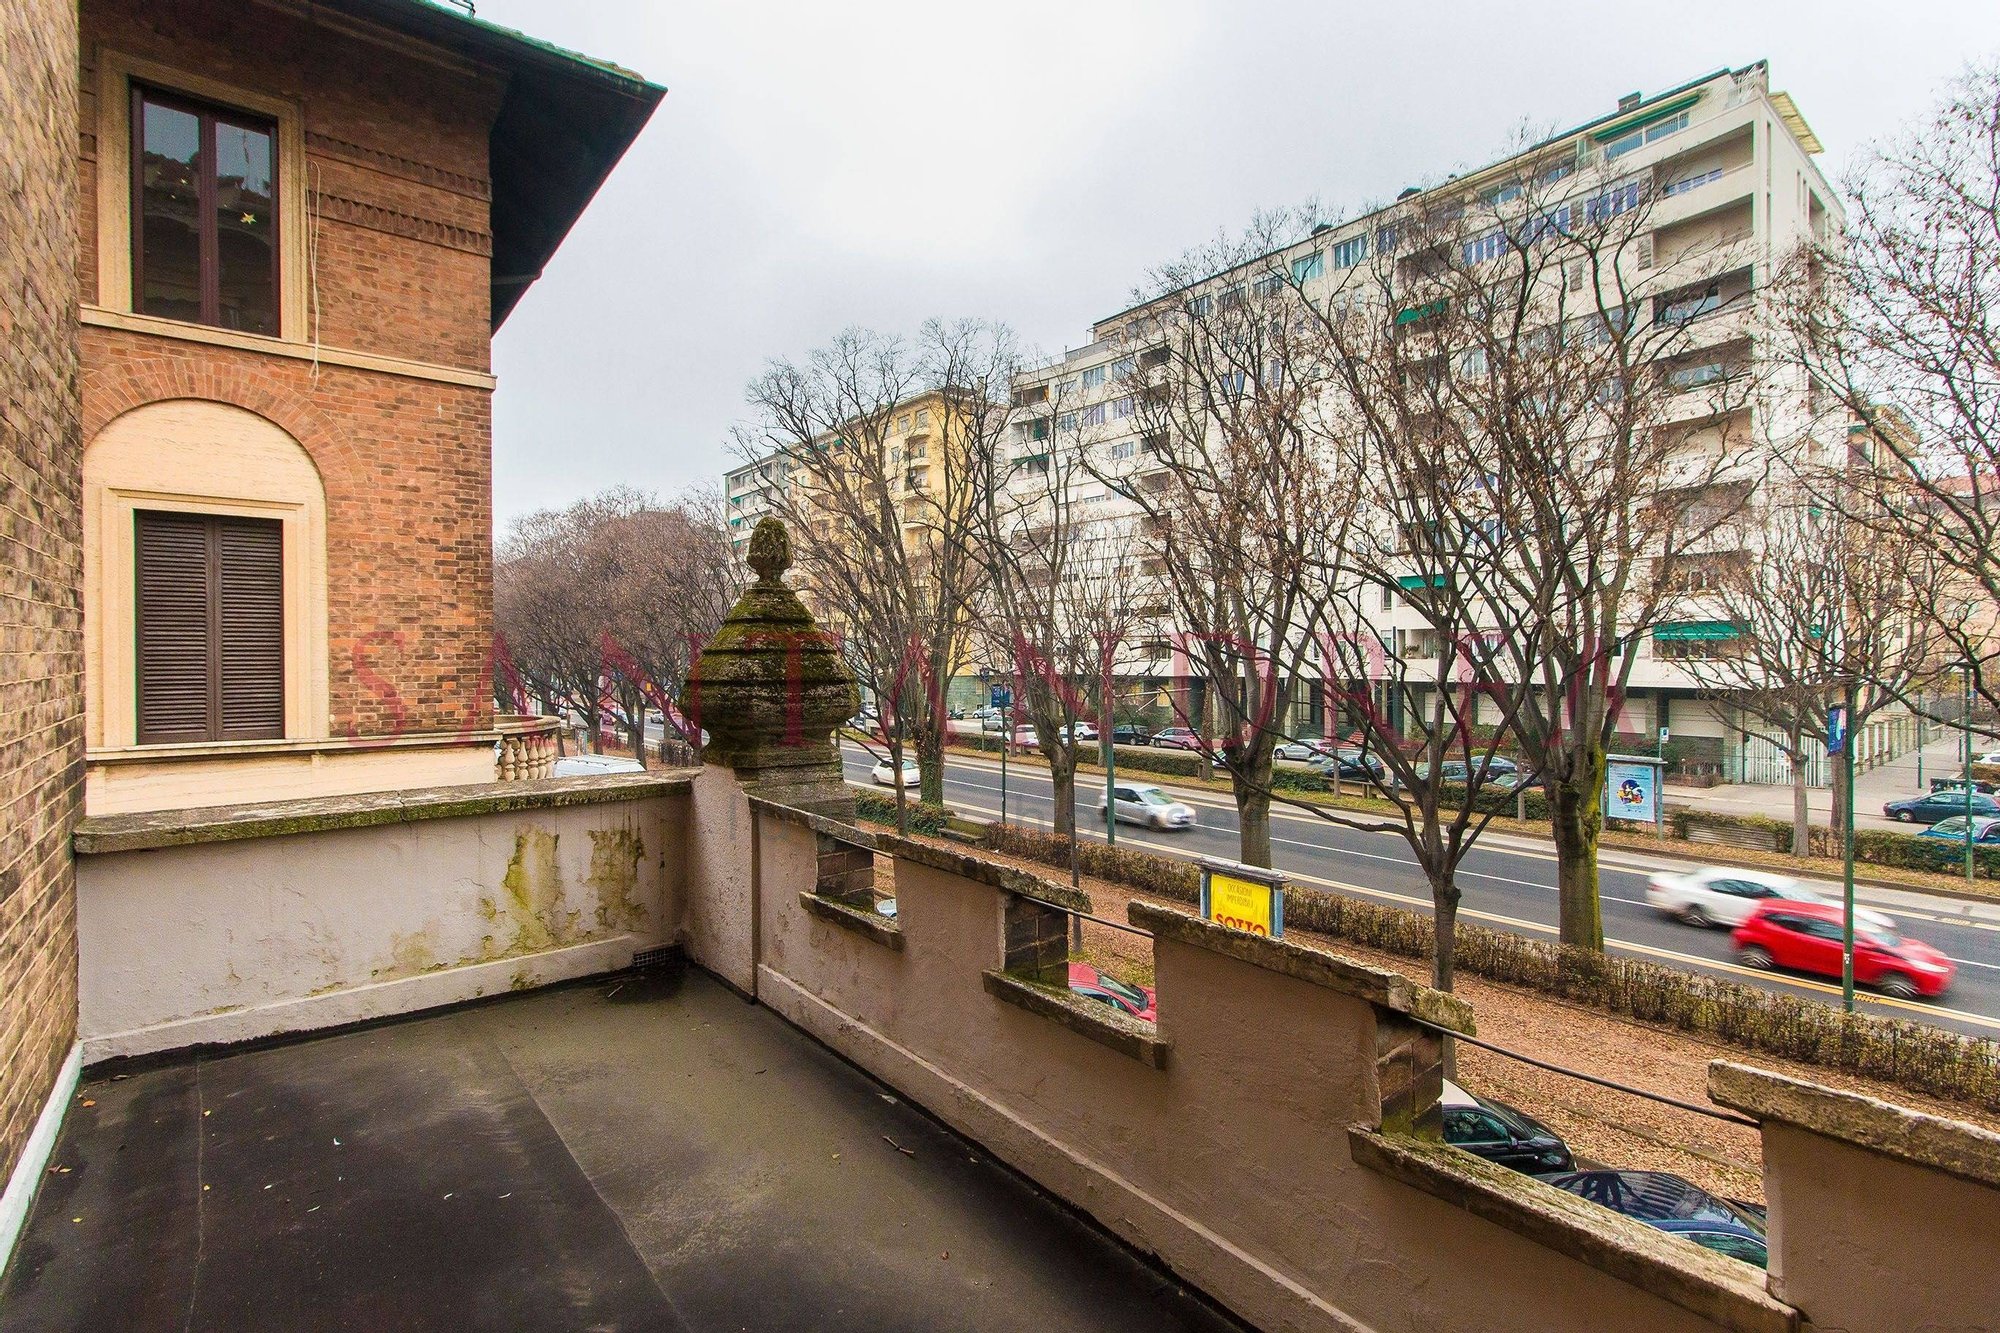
{"x":299,"y":227}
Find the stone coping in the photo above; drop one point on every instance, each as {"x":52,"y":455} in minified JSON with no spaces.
{"x":149,"y":829}
{"x":1090,"y":1018}
{"x":1378,"y":986}
{"x":979,"y":869}
{"x":1722,"y":1290}
{"x":857,"y":919}
{"x":832,"y":828}
{"x":1950,"y":1146}
{"x":309,"y":745}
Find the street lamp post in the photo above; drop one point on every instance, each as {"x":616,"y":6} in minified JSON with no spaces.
{"x":1965,"y":720}
{"x":1843,"y":733}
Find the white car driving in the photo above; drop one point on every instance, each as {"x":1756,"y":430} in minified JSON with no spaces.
{"x":1725,"y":896}
{"x":1143,"y":803}
{"x":885,"y":774}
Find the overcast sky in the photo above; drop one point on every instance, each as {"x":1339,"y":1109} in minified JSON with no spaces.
{"x":815,"y":166}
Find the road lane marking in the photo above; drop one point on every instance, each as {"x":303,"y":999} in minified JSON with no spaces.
{"x":1686,"y":960}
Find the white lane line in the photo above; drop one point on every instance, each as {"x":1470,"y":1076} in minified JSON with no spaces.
{"x":1686,"y":960}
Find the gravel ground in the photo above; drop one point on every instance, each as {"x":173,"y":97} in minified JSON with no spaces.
{"x":1600,"y":1124}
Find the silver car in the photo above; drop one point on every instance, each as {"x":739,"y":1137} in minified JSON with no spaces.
{"x":1143,"y":803}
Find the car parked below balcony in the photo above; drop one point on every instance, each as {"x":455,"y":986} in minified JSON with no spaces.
{"x":1807,"y":937}
{"x":1681,"y":1207}
{"x":593,"y":765}
{"x":1941,"y":805}
{"x":1091,"y":984}
{"x":1985,"y":829}
{"x":1499,"y":1133}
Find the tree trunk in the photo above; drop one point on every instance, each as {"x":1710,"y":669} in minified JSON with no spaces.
{"x":1062,"y":777}
{"x":635,"y":708}
{"x":1801,"y":813}
{"x":1576,"y":817}
{"x":1253,"y":811}
{"x":1444,"y":910}
{"x":930,"y":764}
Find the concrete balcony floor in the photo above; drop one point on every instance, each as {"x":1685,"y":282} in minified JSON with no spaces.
{"x":645,"y":1152}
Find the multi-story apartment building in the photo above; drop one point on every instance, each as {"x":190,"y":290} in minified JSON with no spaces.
{"x":752,"y":492}
{"x":1725,"y":170}
{"x":299,"y":228}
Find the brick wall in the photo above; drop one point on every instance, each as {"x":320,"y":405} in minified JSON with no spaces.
{"x":396,"y":147}
{"x":41,"y":561}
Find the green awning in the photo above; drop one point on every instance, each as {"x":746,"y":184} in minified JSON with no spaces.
{"x":1645,"y":118}
{"x":1697,"y":631}
{"x":1424,"y":311}
{"x":1412,"y":582}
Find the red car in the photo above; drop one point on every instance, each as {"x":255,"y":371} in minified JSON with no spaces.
{"x":1806,"y":937}
{"x":1091,"y":984}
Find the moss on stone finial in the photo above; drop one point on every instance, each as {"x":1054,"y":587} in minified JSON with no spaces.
{"x":770,"y":551}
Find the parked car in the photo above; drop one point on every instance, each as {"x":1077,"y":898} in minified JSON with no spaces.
{"x":1178,"y":738}
{"x":1091,"y":984}
{"x":1127,"y":733}
{"x":1806,"y":937}
{"x":1353,"y":766}
{"x":1301,"y":751}
{"x":1082,"y":733}
{"x":1985,"y":828}
{"x":885,"y":774}
{"x":590,"y":765}
{"x":1940,"y":805}
{"x":1722,"y":895}
{"x":1666,"y":1201}
{"x":1143,"y":803}
{"x":1957,"y":784}
{"x":1499,"y":1133}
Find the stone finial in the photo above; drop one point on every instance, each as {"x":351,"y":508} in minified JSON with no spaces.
{"x":770,"y":551}
{"x":770,"y":688}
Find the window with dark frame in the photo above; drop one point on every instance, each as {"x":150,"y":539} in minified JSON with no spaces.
{"x":204,"y":213}
{"x":209,"y":627}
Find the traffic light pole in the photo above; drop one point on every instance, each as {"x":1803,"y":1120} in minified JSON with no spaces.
{"x":1847,"y":851}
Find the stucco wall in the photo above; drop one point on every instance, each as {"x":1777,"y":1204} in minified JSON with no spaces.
{"x":1231,"y":1162}
{"x":295,"y":931}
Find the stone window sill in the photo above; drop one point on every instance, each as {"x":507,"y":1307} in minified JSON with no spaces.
{"x":1722,"y":1290}
{"x":1102,"y":1024}
{"x":859,"y":920}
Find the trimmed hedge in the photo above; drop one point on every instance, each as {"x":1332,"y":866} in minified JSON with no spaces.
{"x":877,"y":808}
{"x":1910,"y":1055}
{"x":1136,"y":758}
{"x":1878,"y":847}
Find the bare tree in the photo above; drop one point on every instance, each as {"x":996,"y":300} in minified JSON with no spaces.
{"x":1588,"y":380}
{"x":1897,"y":324}
{"x":1239,"y":519}
{"x":1823,"y":602}
{"x":880,"y":500}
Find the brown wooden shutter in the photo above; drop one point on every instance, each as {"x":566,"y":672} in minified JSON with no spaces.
{"x":210,"y":628}
{"x":175,"y":641}
{"x":250,"y":572}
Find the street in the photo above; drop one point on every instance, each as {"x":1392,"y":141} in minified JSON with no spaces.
{"x":1508,"y":883}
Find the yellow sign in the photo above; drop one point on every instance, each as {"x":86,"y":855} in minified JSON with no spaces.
{"x":1243,"y":904}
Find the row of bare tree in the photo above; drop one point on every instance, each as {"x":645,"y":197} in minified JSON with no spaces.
{"x":602,"y":607}
{"x":1452,"y":484}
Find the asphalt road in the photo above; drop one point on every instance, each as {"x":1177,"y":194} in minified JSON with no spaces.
{"x":1510,"y":883}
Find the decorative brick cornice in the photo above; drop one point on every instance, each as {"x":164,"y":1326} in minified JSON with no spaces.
{"x":339,"y":208}
{"x":473,"y":187}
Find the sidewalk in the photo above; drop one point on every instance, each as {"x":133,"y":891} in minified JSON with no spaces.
{"x":1886,"y":782}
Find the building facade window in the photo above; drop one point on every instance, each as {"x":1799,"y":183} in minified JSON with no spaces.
{"x":1093,"y":377}
{"x":204,"y":213}
{"x":1348,"y":253}
{"x":1307,"y":267}
{"x":210,"y":605}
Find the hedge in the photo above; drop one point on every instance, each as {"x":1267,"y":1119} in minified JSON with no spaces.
{"x":877,"y":808}
{"x":1879,"y":847}
{"x":1135,"y":758}
{"x":1909,"y":1055}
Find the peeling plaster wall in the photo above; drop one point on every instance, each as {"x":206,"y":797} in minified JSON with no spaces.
{"x":227,"y":941}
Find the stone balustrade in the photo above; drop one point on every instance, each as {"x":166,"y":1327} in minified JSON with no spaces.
{"x":527,"y":747}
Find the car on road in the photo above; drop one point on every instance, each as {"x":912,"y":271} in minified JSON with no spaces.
{"x":1940,"y":805}
{"x":1499,"y":1133}
{"x":1985,"y":828}
{"x":591,"y":765}
{"x":1806,"y":937}
{"x":1091,"y":984}
{"x":885,"y":774}
{"x":1178,"y":738}
{"x":1669,"y":1203}
{"x":1127,"y":733}
{"x":1725,"y":896}
{"x":1143,"y":803}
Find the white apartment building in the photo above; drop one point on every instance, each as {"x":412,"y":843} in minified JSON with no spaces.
{"x":1726,"y":167}
{"x":748,"y":495}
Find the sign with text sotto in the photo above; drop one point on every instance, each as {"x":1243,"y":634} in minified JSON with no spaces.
{"x":1632,"y":790}
{"x":1243,"y":898}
